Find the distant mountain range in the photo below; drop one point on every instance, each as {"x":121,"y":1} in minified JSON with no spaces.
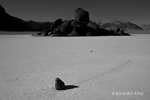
{"x":145,"y":26}
{"x":109,"y":24}
{"x":11,"y":23}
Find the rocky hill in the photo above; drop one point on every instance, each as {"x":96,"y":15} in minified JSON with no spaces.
{"x":11,"y":23}
{"x":109,"y":24}
{"x":145,"y":26}
{"x":80,"y":25}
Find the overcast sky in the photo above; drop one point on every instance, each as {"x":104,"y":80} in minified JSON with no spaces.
{"x":136,"y":11}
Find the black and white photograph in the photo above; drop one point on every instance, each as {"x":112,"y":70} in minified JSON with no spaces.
{"x":74,"y":50}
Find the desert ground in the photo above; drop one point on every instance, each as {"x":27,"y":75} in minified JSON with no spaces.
{"x":103,"y":68}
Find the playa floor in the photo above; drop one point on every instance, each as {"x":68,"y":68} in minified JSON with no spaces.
{"x":103,"y":68}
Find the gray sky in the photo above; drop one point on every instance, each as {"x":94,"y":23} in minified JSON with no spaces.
{"x":136,"y":11}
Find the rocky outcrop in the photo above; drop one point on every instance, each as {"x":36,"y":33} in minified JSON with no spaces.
{"x":122,"y":33}
{"x":64,"y":29}
{"x":56,"y":24}
{"x":2,"y":10}
{"x":81,"y":15}
{"x":92,"y":29}
{"x":81,"y":25}
{"x":74,"y":32}
{"x":11,"y":23}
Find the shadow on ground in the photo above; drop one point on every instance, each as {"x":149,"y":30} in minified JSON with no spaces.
{"x":68,"y":87}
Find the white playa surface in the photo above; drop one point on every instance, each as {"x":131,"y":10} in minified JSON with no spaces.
{"x":104,"y":68}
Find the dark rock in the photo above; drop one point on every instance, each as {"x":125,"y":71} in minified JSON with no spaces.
{"x":61,"y":28}
{"x":66,"y":27}
{"x":59,"y":84}
{"x":37,"y":34}
{"x":80,"y":29}
{"x":34,"y":34}
{"x":126,"y":34}
{"x":81,"y":15}
{"x":93,"y":29}
{"x":56,"y":24}
{"x":104,"y":32}
{"x":90,"y":34}
{"x":74,"y":32}
{"x":116,"y":30}
{"x":75,"y":23}
{"x":94,"y":26}
{"x":45,"y":32}
{"x":58,"y":32}
{"x":80,"y":26}
{"x":122,"y":33}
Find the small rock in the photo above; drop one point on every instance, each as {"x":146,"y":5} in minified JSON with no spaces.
{"x":59,"y":84}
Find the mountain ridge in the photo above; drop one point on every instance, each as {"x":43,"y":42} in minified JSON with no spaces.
{"x":124,"y":25}
{"x":11,"y":23}
{"x":145,"y":26}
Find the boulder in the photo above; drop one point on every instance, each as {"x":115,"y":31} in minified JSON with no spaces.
{"x":79,"y":28}
{"x":94,"y":26}
{"x":115,"y":29}
{"x":90,"y":33}
{"x":81,"y":15}
{"x":36,"y":34}
{"x":122,"y":33}
{"x":45,"y":32}
{"x":75,"y":23}
{"x":56,"y":24}
{"x":126,"y":34}
{"x":74,"y":32}
{"x":63,"y":29}
{"x":59,"y":84}
{"x":66,"y":27}
{"x":93,"y":29}
{"x":82,"y":30}
{"x":104,"y":32}
{"x":58,"y":32}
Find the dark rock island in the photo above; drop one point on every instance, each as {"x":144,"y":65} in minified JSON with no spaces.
{"x":80,"y":25}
